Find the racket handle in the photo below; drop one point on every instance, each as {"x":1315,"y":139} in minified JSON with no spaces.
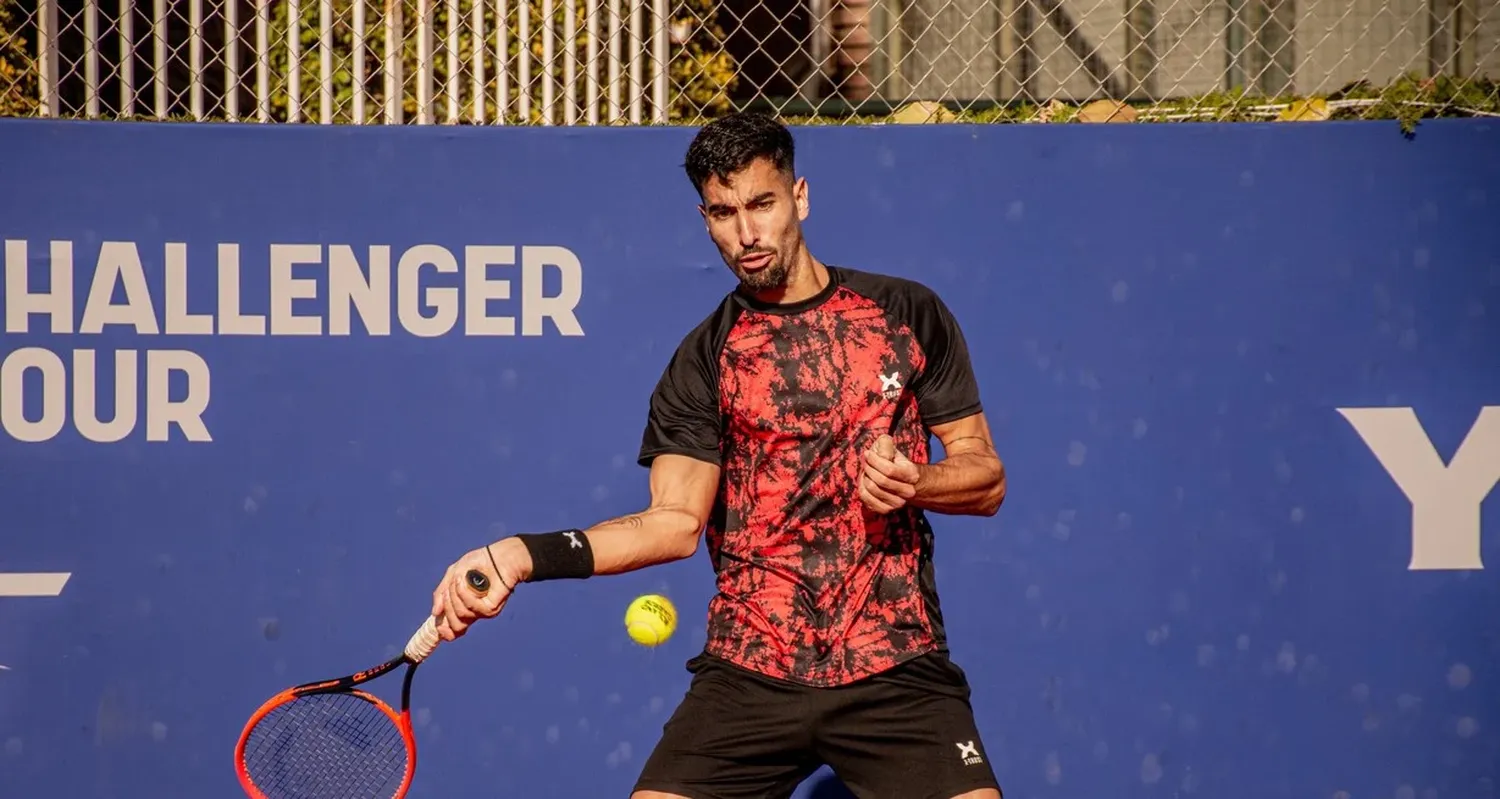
{"x":423,"y":641}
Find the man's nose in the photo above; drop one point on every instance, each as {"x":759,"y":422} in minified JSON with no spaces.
{"x":749,"y":236}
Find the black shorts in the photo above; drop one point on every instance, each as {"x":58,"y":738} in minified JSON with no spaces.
{"x":908,"y":733}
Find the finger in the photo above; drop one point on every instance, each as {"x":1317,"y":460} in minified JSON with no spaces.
{"x":906,"y":469}
{"x":445,"y":625}
{"x":875,"y":504}
{"x":445,"y":600}
{"x":908,"y":475}
{"x":885,"y":446}
{"x":879,"y":478}
{"x":873,"y":458}
{"x":438,"y":593}
{"x":885,"y":499}
{"x":451,"y":612}
{"x":450,"y":631}
{"x":461,"y":599}
{"x":890,"y":484}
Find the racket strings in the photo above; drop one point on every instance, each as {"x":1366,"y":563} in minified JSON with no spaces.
{"x":326,"y":746}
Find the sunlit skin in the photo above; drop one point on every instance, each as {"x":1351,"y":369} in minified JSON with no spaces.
{"x":755,"y":220}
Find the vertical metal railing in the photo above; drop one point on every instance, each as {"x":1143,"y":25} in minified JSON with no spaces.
{"x":395,"y":70}
{"x":478,"y":94}
{"x":195,"y":58}
{"x":294,"y":61}
{"x":159,"y":58}
{"x":91,"y":58}
{"x":567,"y":62}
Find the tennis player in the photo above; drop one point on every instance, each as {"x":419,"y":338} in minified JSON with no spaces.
{"x":794,"y":424}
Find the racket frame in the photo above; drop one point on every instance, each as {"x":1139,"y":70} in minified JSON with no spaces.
{"x":417,"y":650}
{"x":343,"y":685}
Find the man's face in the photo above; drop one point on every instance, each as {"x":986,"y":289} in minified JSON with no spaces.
{"x":755,"y":219}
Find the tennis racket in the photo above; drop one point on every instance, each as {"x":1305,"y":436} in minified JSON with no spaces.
{"x":332,"y":740}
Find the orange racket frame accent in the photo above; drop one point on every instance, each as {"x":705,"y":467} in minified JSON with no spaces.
{"x":344,"y":685}
{"x":417,"y":651}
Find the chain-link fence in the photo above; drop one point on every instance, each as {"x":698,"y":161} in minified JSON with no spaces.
{"x":569,"y":62}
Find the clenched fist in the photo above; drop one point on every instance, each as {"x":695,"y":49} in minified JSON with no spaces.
{"x":456,"y":605}
{"x":889,"y":480}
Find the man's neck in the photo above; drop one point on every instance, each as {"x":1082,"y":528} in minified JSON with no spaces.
{"x":805,"y":279}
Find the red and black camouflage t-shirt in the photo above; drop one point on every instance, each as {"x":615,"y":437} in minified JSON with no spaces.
{"x":813,"y":587}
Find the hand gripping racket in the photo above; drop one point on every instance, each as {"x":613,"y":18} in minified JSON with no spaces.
{"x":331,"y":740}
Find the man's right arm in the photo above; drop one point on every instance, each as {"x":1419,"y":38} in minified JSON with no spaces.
{"x":682,"y":495}
{"x":681,"y":443}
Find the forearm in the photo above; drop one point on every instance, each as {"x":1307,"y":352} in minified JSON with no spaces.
{"x":968,"y":483}
{"x":653,"y":536}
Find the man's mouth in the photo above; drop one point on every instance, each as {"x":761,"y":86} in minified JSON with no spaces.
{"x":755,"y":261}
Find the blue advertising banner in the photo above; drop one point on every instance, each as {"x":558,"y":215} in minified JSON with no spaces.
{"x":260,"y":385}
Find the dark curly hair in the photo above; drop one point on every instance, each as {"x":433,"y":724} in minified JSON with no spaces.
{"x":728,"y":144}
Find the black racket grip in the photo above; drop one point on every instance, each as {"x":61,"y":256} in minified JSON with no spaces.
{"x":478,"y":581}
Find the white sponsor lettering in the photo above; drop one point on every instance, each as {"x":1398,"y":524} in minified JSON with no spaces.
{"x":312,"y":289}
{"x":1445,"y":499}
{"x":43,"y":371}
{"x":429,"y":294}
{"x":33,"y":583}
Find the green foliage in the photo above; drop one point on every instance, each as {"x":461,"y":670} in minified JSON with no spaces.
{"x":18,"y":91}
{"x":701,"y":73}
{"x":1413,"y":98}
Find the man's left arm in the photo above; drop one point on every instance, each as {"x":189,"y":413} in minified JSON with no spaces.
{"x":968,"y":481}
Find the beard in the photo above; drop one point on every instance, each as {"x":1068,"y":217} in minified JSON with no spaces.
{"x":773,"y":276}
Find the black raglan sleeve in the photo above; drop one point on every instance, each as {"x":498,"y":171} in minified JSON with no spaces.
{"x":683,"y":417}
{"x":946,"y":389}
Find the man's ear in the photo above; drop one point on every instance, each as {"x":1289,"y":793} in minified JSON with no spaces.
{"x":799,"y":195}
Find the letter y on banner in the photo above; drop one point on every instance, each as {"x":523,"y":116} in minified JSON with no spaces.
{"x":1445,"y":500}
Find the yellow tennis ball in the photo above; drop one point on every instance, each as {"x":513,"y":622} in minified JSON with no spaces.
{"x":650,"y":619}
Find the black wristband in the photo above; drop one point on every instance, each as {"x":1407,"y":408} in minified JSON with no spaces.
{"x":563,"y":555}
